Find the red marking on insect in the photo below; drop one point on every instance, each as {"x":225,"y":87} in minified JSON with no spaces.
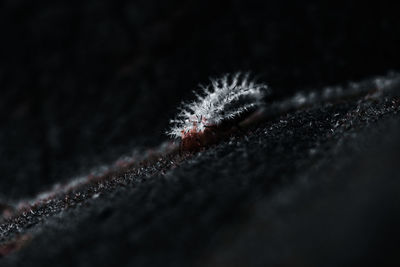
{"x":226,"y":100}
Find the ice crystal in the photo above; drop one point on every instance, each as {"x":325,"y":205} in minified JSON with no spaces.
{"x":224,"y":99}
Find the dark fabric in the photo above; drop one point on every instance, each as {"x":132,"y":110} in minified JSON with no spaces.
{"x":83,"y":83}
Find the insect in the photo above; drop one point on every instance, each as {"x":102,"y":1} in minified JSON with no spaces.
{"x":217,"y":105}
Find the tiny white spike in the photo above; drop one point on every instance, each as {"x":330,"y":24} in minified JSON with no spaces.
{"x":226,"y":98}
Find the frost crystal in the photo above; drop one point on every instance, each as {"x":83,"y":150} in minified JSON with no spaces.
{"x":224,"y":99}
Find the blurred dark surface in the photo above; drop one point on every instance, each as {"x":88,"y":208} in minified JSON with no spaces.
{"x":316,"y":187}
{"x":85,"y":82}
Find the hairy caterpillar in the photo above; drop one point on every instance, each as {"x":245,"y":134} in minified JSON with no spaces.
{"x":225,"y":99}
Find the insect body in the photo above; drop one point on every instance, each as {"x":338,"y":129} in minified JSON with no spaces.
{"x":228,"y":98}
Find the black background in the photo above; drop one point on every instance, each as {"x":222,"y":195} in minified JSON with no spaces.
{"x":82,"y":82}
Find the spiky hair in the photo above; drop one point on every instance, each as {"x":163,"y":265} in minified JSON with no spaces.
{"x":224,"y":99}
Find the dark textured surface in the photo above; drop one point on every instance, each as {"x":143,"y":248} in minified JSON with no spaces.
{"x":310,"y":187}
{"x":82,"y":83}
{"x":85,"y":83}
